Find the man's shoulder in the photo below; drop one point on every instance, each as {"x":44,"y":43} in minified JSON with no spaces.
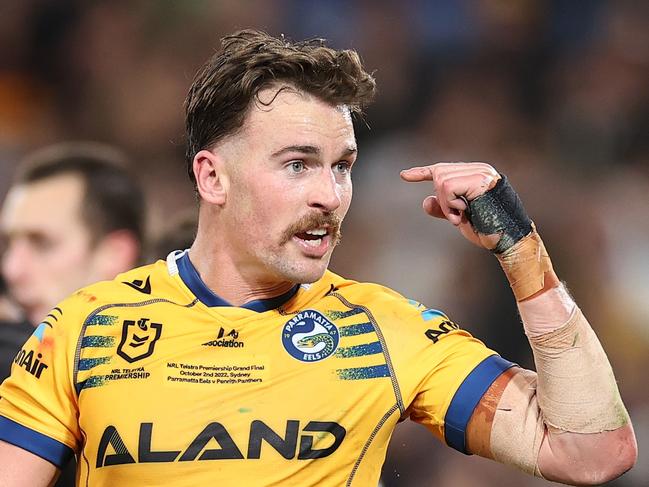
{"x":145,"y":281}
{"x":385,"y":301}
{"x":361,"y":292}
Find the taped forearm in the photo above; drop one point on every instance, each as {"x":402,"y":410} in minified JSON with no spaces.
{"x":577,"y":391}
{"x":574,"y":390}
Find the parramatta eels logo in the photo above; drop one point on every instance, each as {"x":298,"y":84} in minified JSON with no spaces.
{"x":310,"y":337}
{"x":138,"y":341}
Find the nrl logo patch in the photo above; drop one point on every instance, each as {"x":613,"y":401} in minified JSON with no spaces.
{"x":138,"y":339}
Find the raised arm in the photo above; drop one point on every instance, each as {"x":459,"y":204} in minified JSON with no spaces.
{"x":20,"y":468}
{"x":566,"y":422}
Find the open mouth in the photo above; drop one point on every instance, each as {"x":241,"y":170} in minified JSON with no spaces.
{"x":313,"y":238}
{"x":314,"y":234}
{"x":315,"y":243}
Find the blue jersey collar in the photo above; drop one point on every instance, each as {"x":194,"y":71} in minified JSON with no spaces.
{"x":193,"y":281}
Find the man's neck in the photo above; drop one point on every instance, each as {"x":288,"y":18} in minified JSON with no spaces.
{"x":223,"y":277}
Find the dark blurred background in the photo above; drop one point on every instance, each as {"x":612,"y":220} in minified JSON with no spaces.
{"x":554,"y":93}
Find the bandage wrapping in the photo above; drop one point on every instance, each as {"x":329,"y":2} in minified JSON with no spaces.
{"x":525,"y":265}
{"x":517,"y":430}
{"x":576,"y":389}
{"x":520,"y":250}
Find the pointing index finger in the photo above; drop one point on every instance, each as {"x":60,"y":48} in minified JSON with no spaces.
{"x":416,"y":174}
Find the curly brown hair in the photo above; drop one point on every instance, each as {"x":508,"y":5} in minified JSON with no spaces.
{"x":222,"y":91}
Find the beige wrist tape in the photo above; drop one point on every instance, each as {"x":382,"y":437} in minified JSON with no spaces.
{"x":577,"y":391}
{"x":525,"y":265}
{"x":517,"y":429}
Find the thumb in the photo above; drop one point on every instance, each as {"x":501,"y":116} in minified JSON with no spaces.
{"x":432,"y":207}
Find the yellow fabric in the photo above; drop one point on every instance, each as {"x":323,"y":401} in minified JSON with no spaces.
{"x":168,"y":402}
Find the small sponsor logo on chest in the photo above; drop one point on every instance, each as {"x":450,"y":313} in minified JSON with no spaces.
{"x":226,"y":340}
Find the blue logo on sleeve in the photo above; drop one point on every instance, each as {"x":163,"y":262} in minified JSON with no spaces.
{"x":310,"y":337}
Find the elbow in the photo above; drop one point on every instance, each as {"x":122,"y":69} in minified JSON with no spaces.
{"x":621,"y":460}
{"x":624,"y":460}
{"x":629,"y":454}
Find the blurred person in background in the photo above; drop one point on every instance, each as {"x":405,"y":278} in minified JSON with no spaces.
{"x":73,"y":215}
{"x":273,"y":176}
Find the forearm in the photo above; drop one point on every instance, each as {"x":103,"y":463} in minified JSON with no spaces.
{"x":546,"y":311}
{"x":587,"y":433}
{"x":576,"y":386}
{"x":567,"y":428}
{"x":578,"y":428}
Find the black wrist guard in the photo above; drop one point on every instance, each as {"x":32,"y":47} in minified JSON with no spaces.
{"x":501,"y":211}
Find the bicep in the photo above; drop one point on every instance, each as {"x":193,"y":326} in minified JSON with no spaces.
{"x":20,"y":468}
{"x":507,"y":426}
{"x":478,"y":431}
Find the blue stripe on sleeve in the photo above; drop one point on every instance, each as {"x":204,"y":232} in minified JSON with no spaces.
{"x":34,"y":442}
{"x":468,"y":396}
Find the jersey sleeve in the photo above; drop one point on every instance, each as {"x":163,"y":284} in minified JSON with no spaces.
{"x":446,"y":371}
{"x":38,"y":403}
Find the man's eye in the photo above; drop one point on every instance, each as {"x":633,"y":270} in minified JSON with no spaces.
{"x":41,"y":243}
{"x":343,"y":167}
{"x":297,"y":166}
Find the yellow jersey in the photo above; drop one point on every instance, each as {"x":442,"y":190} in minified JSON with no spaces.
{"x":153,"y":379}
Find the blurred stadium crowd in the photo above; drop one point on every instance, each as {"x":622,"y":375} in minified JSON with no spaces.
{"x":555,"y":94}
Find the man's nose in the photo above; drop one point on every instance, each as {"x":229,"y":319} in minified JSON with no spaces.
{"x":325,"y":193}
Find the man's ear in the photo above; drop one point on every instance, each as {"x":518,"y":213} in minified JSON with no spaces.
{"x":211,"y":179}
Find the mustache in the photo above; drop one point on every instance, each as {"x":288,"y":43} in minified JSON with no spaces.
{"x":315,"y":220}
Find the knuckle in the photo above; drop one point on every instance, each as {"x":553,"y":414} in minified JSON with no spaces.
{"x":446,"y":185}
